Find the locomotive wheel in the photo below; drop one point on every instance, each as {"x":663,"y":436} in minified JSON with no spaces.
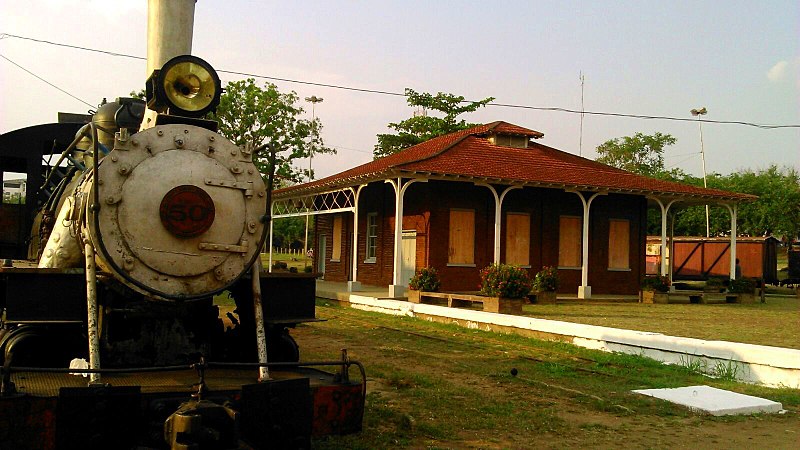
{"x":281,"y":346}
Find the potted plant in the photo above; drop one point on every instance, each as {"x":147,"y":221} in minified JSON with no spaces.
{"x":545,"y":284}
{"x":744,"y":288}
{"x":507,"y":284}
{"x":425,"y":279}
{"x":654,"y":289}
{"x":714,"y":285}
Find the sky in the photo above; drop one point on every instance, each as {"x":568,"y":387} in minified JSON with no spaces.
{"x":740,"y":60}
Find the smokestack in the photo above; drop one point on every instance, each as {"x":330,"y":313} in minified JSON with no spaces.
{"x":169,"y":31}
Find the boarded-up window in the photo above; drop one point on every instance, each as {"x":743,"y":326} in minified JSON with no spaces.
{"x":619,"y":232}
{"x":462,"y":237}
{"x":372,"y":236}
{"x":569,"y":241}
{"x":518,"y":238}
{"x":336,"y":250}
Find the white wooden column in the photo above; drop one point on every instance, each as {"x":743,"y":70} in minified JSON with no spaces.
{"x":498,"y":211}
{"x":396,"y":289}
{"x":733,"y":211}
{"x":664,"y":214}
{"x":584,"y":290}
{"x":353,"y":285}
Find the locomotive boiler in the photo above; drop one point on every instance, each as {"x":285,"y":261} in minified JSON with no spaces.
{"x":150,"y":214}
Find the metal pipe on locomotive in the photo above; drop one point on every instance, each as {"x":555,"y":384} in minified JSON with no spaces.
{"x":162,"y":213}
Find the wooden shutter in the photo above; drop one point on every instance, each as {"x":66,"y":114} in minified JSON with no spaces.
{"x":518,"y":238}
{"x":462,"y":237}
{"x":619,"y":232}
{"x":569,"y":241}
{"x":336,"y":250}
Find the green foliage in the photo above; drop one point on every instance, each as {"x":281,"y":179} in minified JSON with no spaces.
{"x":421,"y":128}
{"x":546,"y":280}
{"x":655,"y":283}
{"x":249,"y":114}
{"x":715,"y":284}
{"x":505,"y":280}
{"x":640,"y":153}
{"x":742,"y":286}
{"x":290,"y":229}
{"x":425,"y":279}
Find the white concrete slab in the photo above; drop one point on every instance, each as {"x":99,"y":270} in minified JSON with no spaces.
{"x":717,"y":402}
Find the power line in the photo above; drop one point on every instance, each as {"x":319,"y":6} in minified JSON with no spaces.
{"x":399,"y":94}
{"x":49,"y":83}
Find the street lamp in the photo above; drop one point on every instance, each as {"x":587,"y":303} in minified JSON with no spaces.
{"x":697,"y":113}
{"x":313,"y":100}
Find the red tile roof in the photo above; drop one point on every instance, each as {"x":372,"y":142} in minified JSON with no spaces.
{"x":469,"y":154}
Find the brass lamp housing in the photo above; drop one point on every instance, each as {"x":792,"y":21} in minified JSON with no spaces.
{"x":185,"y":86}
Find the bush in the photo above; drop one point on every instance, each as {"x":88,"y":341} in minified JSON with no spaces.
{"x":425,"y":279}
{"x":308,"y":269}
{"x":715,"y":284}
{"x":292,"y":269}
{"x":742,"y":286}
{"x":655,"y":283}
{"x":505,"y":280}
{"x":546,"y":280}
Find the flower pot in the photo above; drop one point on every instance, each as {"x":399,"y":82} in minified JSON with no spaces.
{"x":503,"y":305}
{"x":654,"y":297}
{"x":413,"y":296}
{"x":545,"y":297}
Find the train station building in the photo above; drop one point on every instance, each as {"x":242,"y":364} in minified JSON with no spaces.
{"x":490,"y":193}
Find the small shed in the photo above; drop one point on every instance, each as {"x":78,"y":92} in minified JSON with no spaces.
{"x":698,"y":258}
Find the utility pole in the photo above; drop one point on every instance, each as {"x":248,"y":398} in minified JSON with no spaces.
{"x":313,"y":100}
{"x":580,"y":142}
{"x":697,"y":113}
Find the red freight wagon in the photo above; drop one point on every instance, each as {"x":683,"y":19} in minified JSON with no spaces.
{"x":698,"y":258}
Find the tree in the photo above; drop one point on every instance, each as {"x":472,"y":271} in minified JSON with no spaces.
{"x":249,"y":114}
{"x":640,"y":153}
{"x":420,"y":128}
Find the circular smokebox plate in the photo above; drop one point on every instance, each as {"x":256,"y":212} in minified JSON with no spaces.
{"x":187,"y":211}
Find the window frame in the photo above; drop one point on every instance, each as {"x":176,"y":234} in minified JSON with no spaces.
{"x":371,"y":240}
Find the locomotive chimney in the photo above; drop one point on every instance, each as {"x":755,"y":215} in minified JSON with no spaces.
{"x":169,"y":31}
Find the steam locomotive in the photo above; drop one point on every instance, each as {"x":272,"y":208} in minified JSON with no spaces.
{"x":150,"y":214}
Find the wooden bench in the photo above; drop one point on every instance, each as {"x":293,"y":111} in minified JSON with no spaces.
{"x":701,"y":297}
{"x":460,"y":300}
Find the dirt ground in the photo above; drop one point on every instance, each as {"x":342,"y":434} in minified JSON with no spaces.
{"x":438,"y":386}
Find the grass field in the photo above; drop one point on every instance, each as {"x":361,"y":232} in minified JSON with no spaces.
{"x":776,"y":322}
{"x":432,"y":385}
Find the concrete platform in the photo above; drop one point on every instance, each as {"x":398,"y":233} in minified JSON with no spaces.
{"x":717,"y":402}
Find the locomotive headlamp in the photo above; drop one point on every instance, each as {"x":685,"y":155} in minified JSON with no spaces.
{"x":185,"y":86}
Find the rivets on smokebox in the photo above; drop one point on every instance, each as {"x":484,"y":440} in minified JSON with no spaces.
{"x":114,"y":158}
{"x":160,"y":132}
